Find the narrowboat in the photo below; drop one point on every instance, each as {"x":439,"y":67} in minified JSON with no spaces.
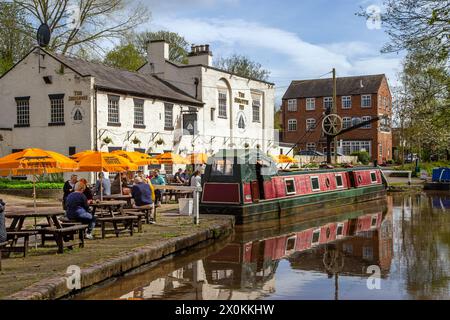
{"x":248,"y":184}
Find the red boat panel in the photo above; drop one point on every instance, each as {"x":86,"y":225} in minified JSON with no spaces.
{"x":269,"y":190}
{"x":221,"y":193}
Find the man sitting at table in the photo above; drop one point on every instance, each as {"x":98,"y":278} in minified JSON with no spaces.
{"x":179,"y":177}
{"x":141,"y":192}
{"x":77,"y":209}
{"x":158,"y":180}
{"x":68,"y":188}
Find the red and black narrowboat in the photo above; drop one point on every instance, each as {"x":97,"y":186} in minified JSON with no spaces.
{"x":248,"y":185}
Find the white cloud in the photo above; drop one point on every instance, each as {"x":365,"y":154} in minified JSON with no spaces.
{"x":284,"y":52}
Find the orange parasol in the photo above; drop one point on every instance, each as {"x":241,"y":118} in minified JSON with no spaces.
{"x":197,"y":158}
{"x":170,"y":158}
{"x":138,"y":158}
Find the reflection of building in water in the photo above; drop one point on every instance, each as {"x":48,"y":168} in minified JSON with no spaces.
{"x":246,"y":270}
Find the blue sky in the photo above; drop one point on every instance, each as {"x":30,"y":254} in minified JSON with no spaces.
{"x":293,"y":39}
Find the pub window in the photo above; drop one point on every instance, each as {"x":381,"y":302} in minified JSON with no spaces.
{"x":23,"y":111}
{"x":72,"y":151}
{"x":290,"y":186}
{"x":56,"y":108}
{"x":373,"y":177}
{"x":346,"y":122}
{"x":168,"y":116}
{"x":315,"y":185}
{"x":138,"y":111}
{"x":256,"y":107}
{"x":366,"y":126}
{"x":113,"y":109}
{"x":310,"y":124}
{"x":222,"y":104}
{"x":339,"y":182}
{"x":311,"y":146}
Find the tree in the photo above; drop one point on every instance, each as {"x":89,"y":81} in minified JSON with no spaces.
{"x":178,"y":46}
{"x":125,"y":57}
{"x":15,"y":39}
{"x":413,"y":23}
{"x":242,"y":66}
{"x":83,"y":23}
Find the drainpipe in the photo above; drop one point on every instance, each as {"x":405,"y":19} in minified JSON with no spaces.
{"x":95,"y":122}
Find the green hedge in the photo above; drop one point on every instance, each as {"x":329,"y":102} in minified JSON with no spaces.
{"x":25,"y":184}
{"x":427,"y":166}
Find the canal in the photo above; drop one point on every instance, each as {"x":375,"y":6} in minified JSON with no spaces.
{"x":397,"y":248}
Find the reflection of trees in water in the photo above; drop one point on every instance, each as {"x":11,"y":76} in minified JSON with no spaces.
{"x":424,"y":248}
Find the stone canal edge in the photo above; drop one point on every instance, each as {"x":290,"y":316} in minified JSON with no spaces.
{"x":56,"y":287}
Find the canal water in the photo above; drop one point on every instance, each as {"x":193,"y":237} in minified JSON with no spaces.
{"x":397,"y":248}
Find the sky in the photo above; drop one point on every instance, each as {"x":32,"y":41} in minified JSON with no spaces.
{"x":302,"y":39}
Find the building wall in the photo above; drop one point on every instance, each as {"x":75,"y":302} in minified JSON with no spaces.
{"x":373,"y":134}
{"x":26,"y":79}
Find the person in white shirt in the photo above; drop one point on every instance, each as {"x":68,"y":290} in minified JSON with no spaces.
{"x":196,"y":179}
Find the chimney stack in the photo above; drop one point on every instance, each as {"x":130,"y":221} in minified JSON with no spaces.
{"x":200,"y":54}
{"x":158,"y":53}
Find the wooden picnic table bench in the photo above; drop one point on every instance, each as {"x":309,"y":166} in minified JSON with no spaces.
{"x":127,"y":222}
{"x":14,"y":236}
{"x":2,"y":245}
{"x":109,"y":206}
{"x":120,"y":197}
{"x":65,"y":236}
{"x":147,"y":210}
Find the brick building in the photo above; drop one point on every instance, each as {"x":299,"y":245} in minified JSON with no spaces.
{"x":359,"y":98}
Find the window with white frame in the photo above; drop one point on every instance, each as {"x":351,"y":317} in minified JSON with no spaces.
{"x":138,"y":112}
{"x":56,"y":108}
{"x":311,"y":146}
{"x":256,"y":108}
{"x":356,"y":121}
{"x":339,"y":181}
{"x":346,"y":122}
{"x":349,"y":146}
{"x":315,"y":237}
{"x":366,"y":101}
{"x":346,"y":102}
{"x":222,"y":103}
{"x":310,"y":103}
{"x":315,"y":184}
{"x":327,"y":102}
{"x":369,"y":125}
{"x":292,"y":105}
{"x":292,"y":125}
{"x":168,"y":116}
{"x":340,"y":229}
{"x":310,"y":124}
{"x":113,"y":109}
{"x":290,"y":186}
{"x":23,"y":111}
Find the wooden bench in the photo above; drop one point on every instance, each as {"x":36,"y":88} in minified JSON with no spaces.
{"x":127,"y":221}
{"x":65,"y":222}
{"x":2,"y":245}
{"x":141,"y":217}
{"x":65,"y":236}
{"x":148,"y":210}
{"x":14,"y":236}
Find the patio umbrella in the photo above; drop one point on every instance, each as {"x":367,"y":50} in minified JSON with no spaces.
{"x":35,"y":161}
{"x":97,"y":161}
{"x":170,"y":158}
{"x":138,"y":158}
{"x":197,"y":158}
{"x":282,"y":158}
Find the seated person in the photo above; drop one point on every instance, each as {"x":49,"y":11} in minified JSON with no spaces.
{"x":179,"y":177}
{"x":141,"y":193}
{"x":157,"y":179}
{"x":68,"y":188}
{"x":77,"y":208}
{"x":105,"y":185}
{"x":185,"y":176}
{"x":87,"y":191}
{"x":3,"y":236}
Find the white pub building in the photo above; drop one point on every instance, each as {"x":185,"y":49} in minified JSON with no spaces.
{"x":68,"y":105}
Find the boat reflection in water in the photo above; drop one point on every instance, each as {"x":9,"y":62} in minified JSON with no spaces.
{"x":344,"y":241}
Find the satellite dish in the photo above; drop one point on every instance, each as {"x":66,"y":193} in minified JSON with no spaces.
{"x":43,"y":35}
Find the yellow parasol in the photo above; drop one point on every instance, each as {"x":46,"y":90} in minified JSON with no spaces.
{"x":97,"y":161}
{"x":170,"y":158}
{"x":282,"y":158}
{"x":197,"y":158}
{"x":138,"y":158}
{"x":35,"y":161}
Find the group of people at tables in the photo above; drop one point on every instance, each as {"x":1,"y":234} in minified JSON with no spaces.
{"x":78,"y":196}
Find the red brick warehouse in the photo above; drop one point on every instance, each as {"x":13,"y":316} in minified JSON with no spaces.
{"x":359,"y":98}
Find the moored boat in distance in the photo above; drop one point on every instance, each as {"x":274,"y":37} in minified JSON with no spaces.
{"x":247,"y":184}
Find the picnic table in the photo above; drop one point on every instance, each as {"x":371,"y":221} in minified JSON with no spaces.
{"x":115,"y":216}
{"x":120,"y":197}
{"x":63,"y":236}
{"x":109,"y":206}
